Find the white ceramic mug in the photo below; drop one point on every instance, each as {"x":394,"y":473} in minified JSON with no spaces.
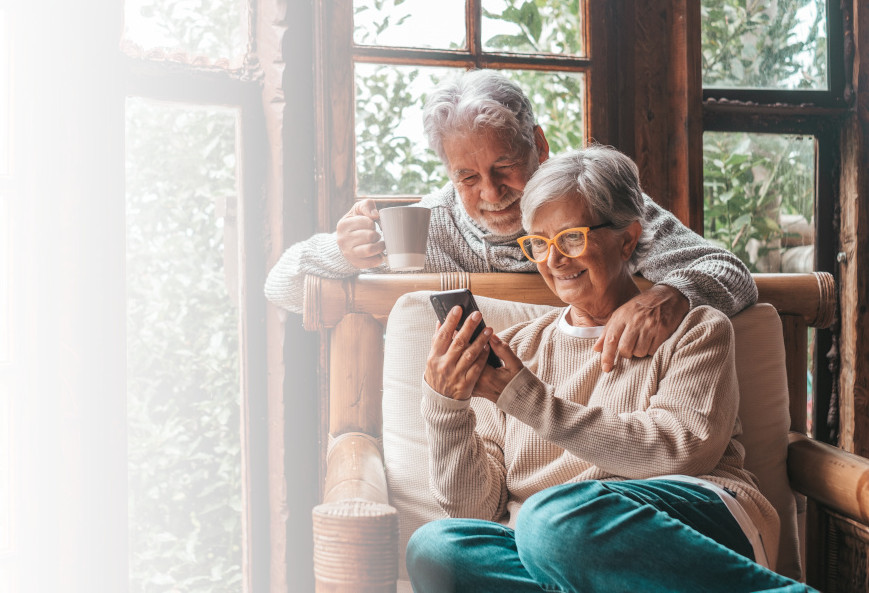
{"x":405,"y":231}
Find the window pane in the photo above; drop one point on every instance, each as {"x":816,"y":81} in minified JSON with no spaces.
{"x":772,"y":45}
{"x":392,"y":154}
{"x":183,"y":385}
{"x":544,"y":26}
{"x":216,"y":29}
{"x":759,"y":198}
{"x":410,"y":23}
{"x":559,"y":104}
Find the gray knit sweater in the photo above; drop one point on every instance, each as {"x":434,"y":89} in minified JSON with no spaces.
{"x":674,"y":255}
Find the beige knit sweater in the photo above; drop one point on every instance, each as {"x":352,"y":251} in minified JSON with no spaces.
{"x":561,"y":419}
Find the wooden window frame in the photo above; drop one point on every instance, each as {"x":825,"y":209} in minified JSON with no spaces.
{"x":164,"y":78}
{"x":818,"y":113}
{"x":337,"y":54}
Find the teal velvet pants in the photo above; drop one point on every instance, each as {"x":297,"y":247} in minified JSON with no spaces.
{"x":607,"y":537}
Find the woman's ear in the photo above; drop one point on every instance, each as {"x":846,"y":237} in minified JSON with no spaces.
{"x":631,"y":236}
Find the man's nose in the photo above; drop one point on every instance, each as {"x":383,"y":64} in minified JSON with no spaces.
{"x":493,"y":191}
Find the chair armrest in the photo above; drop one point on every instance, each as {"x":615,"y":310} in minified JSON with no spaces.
{"x":354,"y":469}
{"x":355,"y":529}
{"x":830,"y":476}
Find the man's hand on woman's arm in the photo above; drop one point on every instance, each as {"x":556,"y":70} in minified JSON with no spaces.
{"x":641,"y":325}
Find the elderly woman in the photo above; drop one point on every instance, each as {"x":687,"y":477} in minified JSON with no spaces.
{"x":627,"y":481}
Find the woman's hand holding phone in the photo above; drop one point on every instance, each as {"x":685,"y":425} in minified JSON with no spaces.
{"x":456,"y":360}
{"x":462,"y":341}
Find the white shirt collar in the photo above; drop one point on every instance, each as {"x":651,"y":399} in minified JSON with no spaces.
{"x":578,"y":331}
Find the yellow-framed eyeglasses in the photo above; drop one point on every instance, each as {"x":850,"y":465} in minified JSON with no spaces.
{"x":569,"y":242}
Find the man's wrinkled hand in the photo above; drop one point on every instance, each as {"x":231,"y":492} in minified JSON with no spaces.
{"x":641,"y":325}
{"x":358,"y":239}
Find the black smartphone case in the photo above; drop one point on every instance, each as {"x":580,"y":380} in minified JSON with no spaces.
{"x":444,"y":301}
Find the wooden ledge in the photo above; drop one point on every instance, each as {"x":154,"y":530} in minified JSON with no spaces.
{"x":810,"y":296}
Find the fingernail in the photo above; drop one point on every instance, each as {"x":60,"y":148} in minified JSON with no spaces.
{"x":607,"y":367}
{"x":476,"y":315}
{"x":487,"y":332}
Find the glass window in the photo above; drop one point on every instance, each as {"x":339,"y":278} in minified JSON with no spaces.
{"x":541,"y":27}
{"x":559,"y":104}
{"x":216,"y":29}
{"x":764,"y":45}
{"x":410,"y":23}
{"x":759,"y":198}
{"x":183,"y":361}
{"x":392,"y":155}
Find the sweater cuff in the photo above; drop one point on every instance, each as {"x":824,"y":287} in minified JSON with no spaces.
{"x":517,"y":395}
{"x":687,"y":288}
{"x":331,"y":253}
{"x":441,"y":403}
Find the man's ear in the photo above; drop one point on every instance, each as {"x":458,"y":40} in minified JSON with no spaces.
{"x":541,"y":143}
{"x":631,"y":236}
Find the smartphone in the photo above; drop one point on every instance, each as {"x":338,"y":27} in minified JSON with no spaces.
{"x":444,"y":301}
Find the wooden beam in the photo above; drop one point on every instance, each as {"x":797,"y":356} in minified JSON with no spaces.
{"x":854,"y":244}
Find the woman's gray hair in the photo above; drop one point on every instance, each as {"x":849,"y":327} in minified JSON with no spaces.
{"x":604,"y":179}
{"x":480,"y":99}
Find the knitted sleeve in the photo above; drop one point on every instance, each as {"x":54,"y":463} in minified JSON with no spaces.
{"x":318,"y":256}
{"x":467,"y":474}
{"x":684,"y":427}
{"x":705,"y":274}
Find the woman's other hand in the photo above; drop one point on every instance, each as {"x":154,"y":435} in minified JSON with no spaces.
{"x":454,"y":362}
{"x":492,"y":381}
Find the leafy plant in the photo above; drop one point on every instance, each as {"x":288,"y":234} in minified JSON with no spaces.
{"x":540,"y":26}
{"x":761,"y":44}
{"x":184,"y":455}
{"x":388,"y":161}
{"x":749,"y":180}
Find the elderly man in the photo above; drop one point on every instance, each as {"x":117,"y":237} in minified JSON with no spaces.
{"x":482,"y":126}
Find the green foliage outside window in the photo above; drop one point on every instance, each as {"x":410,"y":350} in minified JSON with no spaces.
{"x":538,"y":26}
{"x":762,"y":44}
{"x":184,"y":438}
{"x":750,"y":180}
{"x":391,"y":154}
{"x":389,"y":160}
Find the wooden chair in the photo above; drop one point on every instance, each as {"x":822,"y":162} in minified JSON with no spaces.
{"x":356,"y":529}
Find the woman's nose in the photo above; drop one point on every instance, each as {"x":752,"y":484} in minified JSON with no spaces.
{"x":553,"y":256}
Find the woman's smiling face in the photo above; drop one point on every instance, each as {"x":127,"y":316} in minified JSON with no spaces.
{"x":599,"y":280}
